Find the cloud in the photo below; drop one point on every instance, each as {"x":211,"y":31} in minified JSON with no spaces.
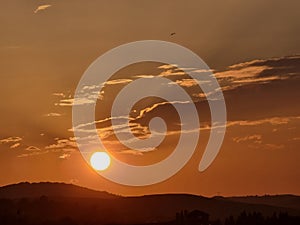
{"x":59,"y":94}
{"x":91,"y":87}
{"x":241,"y":72}
{"x":135,"y":127}
{"x":41,"y":7}
{"x":260,"y":80}
{"x":10,"y":140}
{"x":80,"y":126}
{"x":273,"y":146}
{"x":255,"y":72}
{"x":64,"y":156}
{"x":15,"y":145}
{"x":131,"y":152}
{"x":187,"y":82}
{"x":62,"y":146}
{"x":34,"y":153}
{"x":255,"y":141}
{"x":144,"y":76}
{"x":271,"y":120}
{"x":172,"y":72}
{"x":168,"y":66}
{"x":67,"y":145}
{"x":190,"y":82}
{"x":53,"y":115}
{"x":106,"y":131}
{"x":32,"y":148}
{"x":199,"y":95}
{"x":259,"y":72}
{"x":267,"y":146}
{"x":65,"y":102}
{"x":150,"y":108}
{"x":118,"y":81}
{"x":87,"y":95}
{"x":79,"y":101}
{"x":256,"y":138}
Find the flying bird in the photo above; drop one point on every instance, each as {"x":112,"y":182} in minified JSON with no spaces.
{"x":172,"y":34}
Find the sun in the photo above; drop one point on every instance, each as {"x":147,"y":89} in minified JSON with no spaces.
{"x":100,"y":161}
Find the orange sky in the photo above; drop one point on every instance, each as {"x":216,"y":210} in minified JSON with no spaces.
{"x":252,"y":48}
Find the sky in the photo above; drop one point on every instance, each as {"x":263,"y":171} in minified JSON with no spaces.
{"x":252,"y":47}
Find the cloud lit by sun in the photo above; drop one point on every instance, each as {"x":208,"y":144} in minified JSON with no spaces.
{"x":47,"y":45}
{"x":41,"y":7}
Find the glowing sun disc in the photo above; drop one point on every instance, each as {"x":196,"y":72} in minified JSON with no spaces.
{"x":100,"y":161}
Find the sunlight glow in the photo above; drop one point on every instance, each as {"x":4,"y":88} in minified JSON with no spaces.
{"x":100,"y":161}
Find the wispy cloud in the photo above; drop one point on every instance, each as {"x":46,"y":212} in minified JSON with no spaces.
{"x":271,"y":121}
{"x":15,"y":145}
{"x":260,"y":80}
{"x":59,"y":94}
{"x":64,"y":156}
{"x":256,"y":138}
{"x":33,"y":153}
{"x":144,"y":76}
{"x":118,"y":81}
{"x":10,"y":140}
{"x":172,"y":72}
{"x":65,"y":102}
{"x":168,"y":66}
{"x":242,"y":72}
{"x":87,"y":95}
{"x":32,"y":148}
{"x":150,"y":108}
{"x":65,"y":145}
{"x":187,"y":82}
{"x":255,"y":72}
{"x":267,"y":146}
{"x":41,"y":7}
{"x":190,"y":82}
{"x":71,"y":101}
{"x":259,"y":72}
{"x":273,"y":146}
{"x":53,"y":115}
{"x":131,"y":152}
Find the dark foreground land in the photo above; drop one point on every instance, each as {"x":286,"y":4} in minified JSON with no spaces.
{"x":56,"y":203}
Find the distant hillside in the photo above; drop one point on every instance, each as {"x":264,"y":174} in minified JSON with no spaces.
{"x":168,"y":204}
{"x":288,"y":201}
{"x":89,"y":206}
{"x":36,"y":190}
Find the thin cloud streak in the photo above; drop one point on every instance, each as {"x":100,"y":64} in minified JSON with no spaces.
{"x":10,"y":140}
{"x":41,"y":8}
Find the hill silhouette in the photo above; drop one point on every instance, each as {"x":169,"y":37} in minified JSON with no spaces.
{"x":54,"y":201}
{"x":288,"y":201}
{"x":36,"y":190}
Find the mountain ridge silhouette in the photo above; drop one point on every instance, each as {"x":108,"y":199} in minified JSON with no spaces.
{"x":50,"y":189}
{"x":57,"y":200}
